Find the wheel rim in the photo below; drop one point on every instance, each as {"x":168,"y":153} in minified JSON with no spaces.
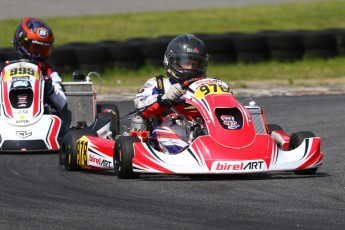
{"x":117,"y":165}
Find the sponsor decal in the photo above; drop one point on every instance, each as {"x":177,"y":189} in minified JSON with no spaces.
{"x":23,"y":134}
{"x":160,"y":83}
{"x":21,"y":111}
{"x":147,"y":85}
{"x":42,"y":32}
{"x":41,"y":43}
{"x":238,"y":166}
{"x":100,"y":161}
{"x":229,"y":121}
{"x":21,"y":84}
{"x":23,"y":78}
{"x":194,"y":50}
{"x":22,"y":121}
{"x":190,"y":107}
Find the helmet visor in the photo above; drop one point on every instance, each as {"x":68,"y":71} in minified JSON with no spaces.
{"x":40,"y":49}
{"x":35,"y":48}
{"x":189,"y":62}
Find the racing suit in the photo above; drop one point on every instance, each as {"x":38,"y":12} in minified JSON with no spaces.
{"x":56,"y":97}
{"x":171,"y":135}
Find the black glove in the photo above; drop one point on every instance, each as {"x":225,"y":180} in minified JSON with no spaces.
{"x":48,"y":87}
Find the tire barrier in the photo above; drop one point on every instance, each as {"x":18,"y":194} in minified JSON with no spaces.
{"x":63,"y":59}
{"x":231,"y":48}
{"x":92,"y":56}
{"x":220,"y":47}
{"x":153,"y":50}
{"x":250,"y":48}
{"x":284,"y":46}
{"x":127,"y":54}
{"x":8,"y":54}
{"x":340,"y":42}
{"x":319,"y":44}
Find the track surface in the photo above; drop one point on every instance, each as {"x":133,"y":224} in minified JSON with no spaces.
{"x":36,"y":193}
{"x":51,"y":8}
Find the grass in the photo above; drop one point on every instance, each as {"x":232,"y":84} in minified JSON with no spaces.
{"x":309,"y":72}
{"x":290,"y":16}
{"x":307,"y":15}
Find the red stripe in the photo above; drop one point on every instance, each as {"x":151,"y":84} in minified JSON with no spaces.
{"x":36,"y":97}
{"x":54,"y":132}
{"x":148,"y":159}
{"x":316,"y":155}
{"x":6,"y":96}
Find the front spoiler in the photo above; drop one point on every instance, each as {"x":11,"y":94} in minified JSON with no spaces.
{"x":204,"y":156}
{"x":40,"y":136}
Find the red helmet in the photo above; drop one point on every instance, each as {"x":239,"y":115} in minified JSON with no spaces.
{"x":33,"y":39}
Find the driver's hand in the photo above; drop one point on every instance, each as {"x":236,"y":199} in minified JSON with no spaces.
{"x":174,"y":93}
{"x":48,"y":87}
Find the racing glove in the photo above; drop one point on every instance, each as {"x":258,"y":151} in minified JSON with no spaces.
{"x":48,"y":87}
{"x":174,"y":93}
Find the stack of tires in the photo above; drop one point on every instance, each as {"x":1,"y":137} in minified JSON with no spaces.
{"x":319,"y":44}
{"x":127,"y":54}
{"x":7,"y":53}
{"x":222,"y":47}
{"x":250,"y":48}
{"x":63,"y":59}
{"x":340,"y":41}
{"x":153,"y":50}
{"x":92,"y":56}
{"x":284,"y":45}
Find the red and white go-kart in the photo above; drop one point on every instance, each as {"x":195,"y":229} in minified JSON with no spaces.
{"x":236,"y":140}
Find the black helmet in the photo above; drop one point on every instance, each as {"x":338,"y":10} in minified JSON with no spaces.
{"x":186,"y":57}
{"x":33,"y":39}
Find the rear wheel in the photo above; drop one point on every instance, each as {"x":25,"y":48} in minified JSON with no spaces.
{"x":69,"y":148}
{"x":296,"y":140}
{"x":123,"y":155}
{"x":112,"y":109}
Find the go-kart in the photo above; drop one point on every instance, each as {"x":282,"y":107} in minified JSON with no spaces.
{"x":29,"y":124}
{"x":24,"y":126}
{"x":235,"y":139}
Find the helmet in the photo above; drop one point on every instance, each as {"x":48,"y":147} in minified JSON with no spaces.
{"x":185,"y":58}
{"x":33,"y":39}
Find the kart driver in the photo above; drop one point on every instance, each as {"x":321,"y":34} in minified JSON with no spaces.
{"x":33,"y":40}
{"x":185,"y":58}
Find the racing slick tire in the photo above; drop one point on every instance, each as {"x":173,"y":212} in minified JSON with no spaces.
{"x":69,"y":148}
{"x":103,"y":110}
{"x":296,"y":140}
{"x":123,"y":155}
{"x":273,"y":127}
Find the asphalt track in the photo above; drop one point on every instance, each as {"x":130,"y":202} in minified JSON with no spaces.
{"x":11,"y":9}
{"x":36,"y":193}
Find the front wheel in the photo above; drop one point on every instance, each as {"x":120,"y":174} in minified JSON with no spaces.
{"x":123,"y":155}
{"x":273,"y":127}
{"x":296,"y":140}
{"x":69,"y":148}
